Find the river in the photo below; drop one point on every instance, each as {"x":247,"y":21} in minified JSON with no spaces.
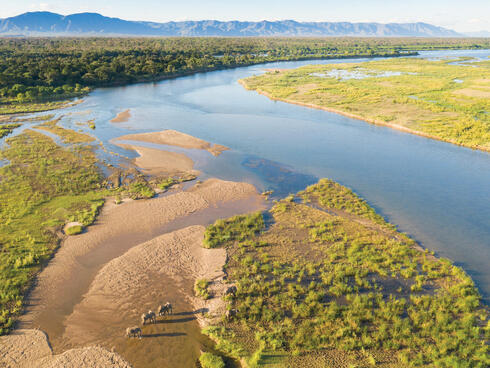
{"x":436,"y":192}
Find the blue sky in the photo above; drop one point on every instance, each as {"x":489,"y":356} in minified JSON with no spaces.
{"x":460,"y":15}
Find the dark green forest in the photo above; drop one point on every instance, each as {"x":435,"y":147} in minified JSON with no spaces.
{"x":39,"y":69}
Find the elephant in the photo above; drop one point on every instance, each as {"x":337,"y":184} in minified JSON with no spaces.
{"x":232,"y":290}
{"x":133,"y":332}
{"x":230,"y":313}
{"x":161,"y":311}
{"x":150,"y":317}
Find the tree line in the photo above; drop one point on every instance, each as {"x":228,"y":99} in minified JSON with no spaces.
{"x":37,"y":69}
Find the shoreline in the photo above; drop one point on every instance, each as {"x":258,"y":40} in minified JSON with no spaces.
{"x":185,"y":74}
{"x":357,"y":117}
{"x":137,"y":255}
{"x":162,"y":236}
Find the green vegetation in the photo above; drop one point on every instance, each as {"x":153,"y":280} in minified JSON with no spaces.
{"x":35,"y":70}
{"x":236,"y":228}
{"x":433,"y":98}
{"x":74,"y":230}
{"x":43,"y":187}
{"x":66,"y":135}
{"x":209,"y":360}
{"x":329,"y":283}
{"x":201,"y":289}
{"x":6,"y":129}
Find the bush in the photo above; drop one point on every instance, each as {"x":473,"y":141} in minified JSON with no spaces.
{"x":201,"y":289}
{"x":74,"y":230}
{"x":209,"y":360}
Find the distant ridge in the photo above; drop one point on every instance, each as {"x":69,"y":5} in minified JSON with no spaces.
{"x":93,"y":24}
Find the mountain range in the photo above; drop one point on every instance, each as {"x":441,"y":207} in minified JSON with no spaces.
{"x":93,"y":24}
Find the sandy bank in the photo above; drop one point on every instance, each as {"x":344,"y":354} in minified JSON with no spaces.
{"x":121,"y":221}
{"x":153,"y":161}
{"x":357,"y":117}
{"x":101,"y":281}
{"x":140,"y":280}
{"x":30,"y":349}
{"x":175,"y":138}
{"x":122,"y":117}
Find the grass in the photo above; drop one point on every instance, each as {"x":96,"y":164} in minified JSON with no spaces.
{"x":43,"y":187}
{"x":31,"y":107}
{"x":74,"y":230}
{"x":6,"y":129}
{"x":433,"y":98}
{"x":201,"y":289}
{"x":329,"y":283}
{"x":236,"y":228}
{"x":67,"y":136}
{"x":209,"y":360}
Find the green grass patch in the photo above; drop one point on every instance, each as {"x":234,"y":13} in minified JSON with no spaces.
{"x":43,"y":187}
{"x":332,"y":285}
{"x":237,"y":228}
{"x":435,"y":98}
{"x":209,"y":360}
{"x":201,"y":289}
{"x":74,"y":230}
{"x":6,"y":129}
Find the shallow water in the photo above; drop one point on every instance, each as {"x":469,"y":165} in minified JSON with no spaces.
{"x":437,"y":192}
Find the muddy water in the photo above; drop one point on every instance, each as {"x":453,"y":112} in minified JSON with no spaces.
{"x":173,"y":342}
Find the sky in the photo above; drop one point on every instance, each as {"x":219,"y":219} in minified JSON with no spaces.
{"x":459,"y":15}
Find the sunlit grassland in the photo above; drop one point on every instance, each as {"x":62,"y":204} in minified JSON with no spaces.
{"x":43,"y":187}
{"x":434,"y":98}
{"x":328,"y":283}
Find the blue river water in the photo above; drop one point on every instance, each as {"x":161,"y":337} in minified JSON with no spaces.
{"x":437,"y":192}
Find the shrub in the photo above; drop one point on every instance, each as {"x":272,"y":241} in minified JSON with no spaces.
{"x":201,"y":289}
{"x":209,"y":360}
{"x":74,"y":230}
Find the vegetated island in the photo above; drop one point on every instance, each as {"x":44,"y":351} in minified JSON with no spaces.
{"x":321,"y":280}
{"x":447,"y":100}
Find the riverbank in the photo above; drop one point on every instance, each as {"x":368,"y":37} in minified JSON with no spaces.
{"x":322,"y":280}
{"x":139,"y":254}
{"x":420,"y":97}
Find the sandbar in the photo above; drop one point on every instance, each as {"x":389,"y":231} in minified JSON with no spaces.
{"x":154,"y":161}
{"x":122,"y":117}
{"x":174,"y":138}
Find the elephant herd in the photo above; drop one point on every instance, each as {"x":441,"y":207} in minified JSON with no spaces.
{"x":166,"y":309}
{"x":149,"y":317}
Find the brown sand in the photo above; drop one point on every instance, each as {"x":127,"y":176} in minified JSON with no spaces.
{"x":153,"y":161}
{"x":122,"y":220}
{"x":140,"y":280}
{"x":30,"y":349}
{"x":175,"y":138}
{"x":79,"y":302}
{"x":122,"y":117}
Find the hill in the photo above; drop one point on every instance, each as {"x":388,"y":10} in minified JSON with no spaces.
{"x":46,"y":23}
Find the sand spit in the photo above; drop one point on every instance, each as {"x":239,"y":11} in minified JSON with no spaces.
{"x":119,"y":221}
{"x":139,"y":280}
{"x":175,"y":138}
{"x":100,"y":281}
{"x":30,"y":349}
{"x":122,"y":117}
{"x":153,"y":161}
